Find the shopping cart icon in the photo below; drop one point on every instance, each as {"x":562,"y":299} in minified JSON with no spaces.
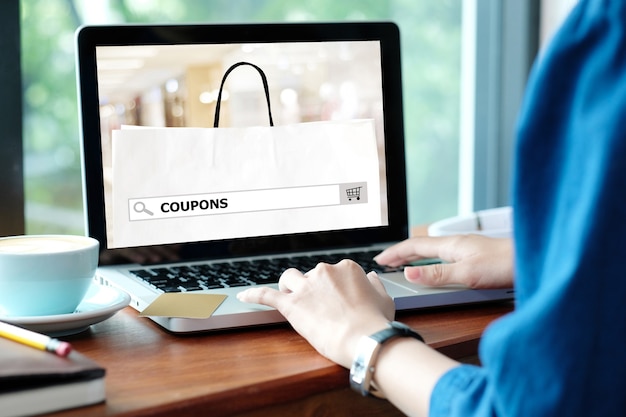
{"x":353,"y":193}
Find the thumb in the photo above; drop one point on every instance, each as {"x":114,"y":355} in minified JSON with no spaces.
{"x":434,"y":275}
{"x":376,"y":283}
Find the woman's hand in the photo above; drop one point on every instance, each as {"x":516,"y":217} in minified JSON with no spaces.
{"x":331,"y":306}
{"x":473,"y":260}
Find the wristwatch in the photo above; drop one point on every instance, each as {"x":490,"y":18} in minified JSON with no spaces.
{"x":362,"y":370}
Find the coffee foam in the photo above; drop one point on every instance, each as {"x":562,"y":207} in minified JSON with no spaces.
{"x":42,"y":244}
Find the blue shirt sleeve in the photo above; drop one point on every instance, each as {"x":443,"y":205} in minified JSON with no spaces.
{"x":561,"y":352}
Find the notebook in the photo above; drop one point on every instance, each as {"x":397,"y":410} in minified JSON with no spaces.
{"x":33,"y":381}
{"x":156,"y":76}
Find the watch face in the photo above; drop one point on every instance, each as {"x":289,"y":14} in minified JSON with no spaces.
{"x":357,"y":371}
{"x":361,"y":369}
{"x":360,"y":377}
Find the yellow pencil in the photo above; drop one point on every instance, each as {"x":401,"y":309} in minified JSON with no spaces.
{"x":33,"y":339}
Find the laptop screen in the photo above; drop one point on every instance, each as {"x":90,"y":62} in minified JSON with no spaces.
{"x":242,"y":139}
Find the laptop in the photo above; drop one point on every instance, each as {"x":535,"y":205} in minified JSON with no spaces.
{"x":158,"y":76}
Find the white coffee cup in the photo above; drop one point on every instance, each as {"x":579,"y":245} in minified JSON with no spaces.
{"x":44,"y":275}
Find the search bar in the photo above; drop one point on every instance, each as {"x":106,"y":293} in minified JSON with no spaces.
{"x":153,"y":208}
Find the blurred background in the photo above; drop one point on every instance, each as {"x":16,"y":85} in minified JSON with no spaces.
{"x":430,"y":33}
{"x":465,"y":63}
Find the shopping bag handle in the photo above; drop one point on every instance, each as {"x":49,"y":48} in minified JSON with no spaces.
{"x":265,"y":87}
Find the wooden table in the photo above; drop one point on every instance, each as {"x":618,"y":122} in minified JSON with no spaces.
{"x":266,"y":371}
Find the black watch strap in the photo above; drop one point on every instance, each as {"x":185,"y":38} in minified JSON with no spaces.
{"x":395,"y":329}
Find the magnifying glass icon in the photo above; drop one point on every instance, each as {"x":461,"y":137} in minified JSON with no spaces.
{"x":140,"y":207}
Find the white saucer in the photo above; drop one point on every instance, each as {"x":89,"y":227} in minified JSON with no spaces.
{"x":99,"y":304}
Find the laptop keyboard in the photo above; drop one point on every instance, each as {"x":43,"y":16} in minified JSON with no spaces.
{"x":242,"y":273}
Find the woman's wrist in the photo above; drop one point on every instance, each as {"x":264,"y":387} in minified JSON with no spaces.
{"x":368,"y":349}
{"x":354,"y":334}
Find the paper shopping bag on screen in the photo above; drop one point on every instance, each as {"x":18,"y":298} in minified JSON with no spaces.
{"x":197,"y":184}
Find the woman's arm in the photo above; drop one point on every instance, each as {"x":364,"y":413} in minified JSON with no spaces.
{"x":333,"y":306}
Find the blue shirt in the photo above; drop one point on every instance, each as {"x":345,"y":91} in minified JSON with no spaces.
{"x":562,"y":352}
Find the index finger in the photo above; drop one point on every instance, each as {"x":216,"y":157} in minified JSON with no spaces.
{"x":412,"y":249}
{"x":262,"y":295}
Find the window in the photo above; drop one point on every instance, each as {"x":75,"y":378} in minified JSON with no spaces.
{"x":431,"y":48}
